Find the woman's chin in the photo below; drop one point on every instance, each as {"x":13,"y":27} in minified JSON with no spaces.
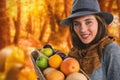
{"x":86,"y":41}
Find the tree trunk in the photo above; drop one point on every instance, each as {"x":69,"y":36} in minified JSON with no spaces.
{"x":17,"y":22}
{"x":118,"y":4}
{"x":29,"y":26}
{"x":110,"y":5}
{"x":102,"y":5}
{"x":67,"y":7}
{"x":4,"y":25}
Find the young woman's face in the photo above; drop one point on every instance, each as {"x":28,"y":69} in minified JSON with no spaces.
{"x":86,"y":28}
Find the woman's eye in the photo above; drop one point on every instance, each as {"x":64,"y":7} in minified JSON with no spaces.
{"x":88,"y":22}
{"x":76,"y":24}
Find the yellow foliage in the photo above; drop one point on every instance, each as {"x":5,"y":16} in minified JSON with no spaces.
{"x":27,"y":74}
{"x":16,"y":55}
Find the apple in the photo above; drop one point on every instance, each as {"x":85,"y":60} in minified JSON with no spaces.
{"x":42,"y":62}
{"x":47,"y":51}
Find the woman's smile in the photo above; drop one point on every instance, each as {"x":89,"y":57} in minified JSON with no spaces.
{"x":85,"y":36}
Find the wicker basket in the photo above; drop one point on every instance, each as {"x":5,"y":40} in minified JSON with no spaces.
{"x":38,"y":71}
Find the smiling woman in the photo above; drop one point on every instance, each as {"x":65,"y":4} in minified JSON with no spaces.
{"x":93,"y":47}
{"x":39,"y":24}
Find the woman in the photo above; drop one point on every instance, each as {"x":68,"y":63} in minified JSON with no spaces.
{"x":96,"y":51}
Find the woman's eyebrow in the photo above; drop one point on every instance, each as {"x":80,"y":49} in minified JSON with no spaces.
{"x":88,"y":19}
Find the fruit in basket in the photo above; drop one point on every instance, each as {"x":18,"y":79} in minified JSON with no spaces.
{"x":55,"y":75}
{"x":42,"y":62}
{"x":76,"y":76}
{"x":47,"y":51}
{"x":47,"y":46}
{"x":63,"y":56}
{"x":69,"y":65}
{"x":55,"y":61}
{"x":48,"y":70}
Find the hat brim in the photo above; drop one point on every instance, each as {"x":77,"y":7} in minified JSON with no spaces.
{"x":108,"y":17}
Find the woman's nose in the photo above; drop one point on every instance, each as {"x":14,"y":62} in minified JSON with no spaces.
{"x":83,"y":28}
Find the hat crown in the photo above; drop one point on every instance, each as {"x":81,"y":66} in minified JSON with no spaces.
{"x":85,"y":5}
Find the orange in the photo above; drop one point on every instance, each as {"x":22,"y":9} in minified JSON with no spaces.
{"x":55,"y":61}
{"x":55,"y":75}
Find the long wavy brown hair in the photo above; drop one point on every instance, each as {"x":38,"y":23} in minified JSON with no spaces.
{"x":102,"y":32}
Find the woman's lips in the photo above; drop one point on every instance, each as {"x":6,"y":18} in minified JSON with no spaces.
{"x":85,"y":36}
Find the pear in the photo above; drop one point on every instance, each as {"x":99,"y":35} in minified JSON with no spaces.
{"x":47,"y":51}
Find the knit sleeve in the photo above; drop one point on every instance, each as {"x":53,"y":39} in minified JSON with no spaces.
{"x":112,"y":62}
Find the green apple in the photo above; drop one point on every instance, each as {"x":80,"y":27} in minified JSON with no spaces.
{"x":42,"y":62}
{"x":47,"y":51}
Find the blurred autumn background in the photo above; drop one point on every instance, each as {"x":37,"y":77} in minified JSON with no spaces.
{"x":29,"y":24}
